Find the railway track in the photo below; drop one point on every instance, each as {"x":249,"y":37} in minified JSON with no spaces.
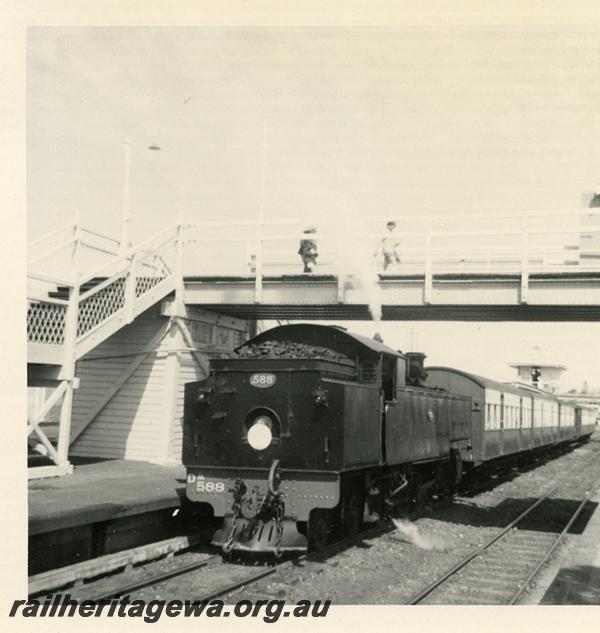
{"x":302,"y":563}
{"x":209,"y":576}
{"x":503,"y":568}
{"x":497,"y":572}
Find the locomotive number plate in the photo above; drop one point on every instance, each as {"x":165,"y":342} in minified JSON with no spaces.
{"x":201,"y":484}
{"x":262,"y":381}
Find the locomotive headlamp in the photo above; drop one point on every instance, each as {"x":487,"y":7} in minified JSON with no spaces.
{"x":259,"y":434}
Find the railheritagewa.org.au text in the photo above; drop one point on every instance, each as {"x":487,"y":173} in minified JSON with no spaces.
{"x":270,"y":611}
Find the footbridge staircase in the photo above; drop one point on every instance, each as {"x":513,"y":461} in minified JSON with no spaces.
{"x":70,"y":312}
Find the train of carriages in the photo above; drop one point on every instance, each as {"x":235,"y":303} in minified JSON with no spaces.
{"x":310,"y":428}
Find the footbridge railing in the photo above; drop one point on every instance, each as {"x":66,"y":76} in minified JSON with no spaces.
{"x":518,"y":243}
{"x":126,"y":282}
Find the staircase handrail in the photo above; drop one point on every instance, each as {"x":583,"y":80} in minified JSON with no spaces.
{"x":119,"y":273}
{"x":78,"y":237}
{"x":72,"y":245}
{"x":129,"y":253}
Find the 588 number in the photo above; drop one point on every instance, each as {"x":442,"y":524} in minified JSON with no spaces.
{"x":210,"y":486}
{"x":262,"y":381}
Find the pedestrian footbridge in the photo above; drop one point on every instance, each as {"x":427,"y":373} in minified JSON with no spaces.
{"x":560,"y":296}
{"x":529,"y":266}
{"x":84,"y":287}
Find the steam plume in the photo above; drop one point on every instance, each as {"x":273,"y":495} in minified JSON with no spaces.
{"x":413,"y":535}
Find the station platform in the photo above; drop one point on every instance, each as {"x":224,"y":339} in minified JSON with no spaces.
{"x":103,"y":490}
{"x":102,"y":508}
{"x":578,"y":580}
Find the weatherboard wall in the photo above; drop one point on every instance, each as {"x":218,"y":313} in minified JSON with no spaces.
{"x":142,"y":420}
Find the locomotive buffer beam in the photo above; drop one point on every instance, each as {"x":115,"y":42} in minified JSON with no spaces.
{"x":257,"y":535}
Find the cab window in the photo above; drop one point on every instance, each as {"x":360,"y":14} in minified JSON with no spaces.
{"x":388,"y":377}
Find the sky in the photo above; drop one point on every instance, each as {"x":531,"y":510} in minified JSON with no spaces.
{"x":402,"y":120}
{"x":341,"y":121}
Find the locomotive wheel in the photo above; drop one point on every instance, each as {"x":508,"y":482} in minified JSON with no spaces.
{"x":352,"y":513}
{"x":319,"y":526}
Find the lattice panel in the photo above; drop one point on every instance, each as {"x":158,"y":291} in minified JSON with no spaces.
{"x":46,"y":323}
{"x":152,"y":270}
{"x":101,"y":305}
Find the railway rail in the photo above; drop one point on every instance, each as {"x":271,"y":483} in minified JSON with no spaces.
{"x":503,"y":568}
{"x":216,"y":579}
{"x":499,"y":571}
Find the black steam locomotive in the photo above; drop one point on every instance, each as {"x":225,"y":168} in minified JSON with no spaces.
{"x":309,"y":427}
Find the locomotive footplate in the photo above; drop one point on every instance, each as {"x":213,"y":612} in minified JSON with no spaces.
{"x":257,"y":535}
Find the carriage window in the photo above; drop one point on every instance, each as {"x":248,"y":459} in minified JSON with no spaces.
{"x":520,"y":411}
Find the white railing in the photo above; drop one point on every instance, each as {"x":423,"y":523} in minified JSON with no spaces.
{"x":556,"y":241}
{"x":118,"y":282}
{"x":520,"y":244}
{"x":541,"y":245}
{"x":138,"y":271}
{"x":71,"y":247}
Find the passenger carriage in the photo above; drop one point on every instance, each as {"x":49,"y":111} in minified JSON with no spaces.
{"x":506,"y":419}
{"x":567,"y":416}
{"x":545,"y":413}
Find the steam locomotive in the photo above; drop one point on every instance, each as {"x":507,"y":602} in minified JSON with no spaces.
{"x":311,"y":429}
